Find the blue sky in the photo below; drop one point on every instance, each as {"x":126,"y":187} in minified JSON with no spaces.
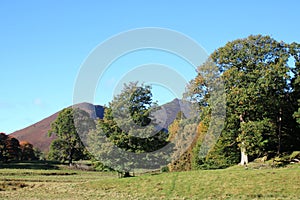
{"x":44,"y":43}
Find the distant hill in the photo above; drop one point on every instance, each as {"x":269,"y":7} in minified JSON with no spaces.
{"x":167,"y":113}
{"x":37,"y":134}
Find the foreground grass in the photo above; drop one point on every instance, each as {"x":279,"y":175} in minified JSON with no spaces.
{"x":232,"y":183}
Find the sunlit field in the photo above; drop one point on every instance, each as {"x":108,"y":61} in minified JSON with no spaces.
{"x":232,"y":183}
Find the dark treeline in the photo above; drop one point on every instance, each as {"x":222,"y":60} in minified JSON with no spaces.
{"x":13,"y":150}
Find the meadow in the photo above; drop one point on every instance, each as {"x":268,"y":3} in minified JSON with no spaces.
{"x":232,"y":183}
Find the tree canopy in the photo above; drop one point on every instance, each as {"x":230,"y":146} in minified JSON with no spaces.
{"x":13,"y":150}
{"x":128,"y":126}
{"x":68,"y":146}
{"x":260,"y":99}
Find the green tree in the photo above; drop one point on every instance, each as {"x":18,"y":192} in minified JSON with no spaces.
{"x":257,"y":80}
{"x":128,"y":125}
{"x":207,"y":89}
{"x":295,"y":52}
{"x":297,"y":114}
{"x":58,"y":150}
{"x":68,"y":146}
{"x":251,"y":138}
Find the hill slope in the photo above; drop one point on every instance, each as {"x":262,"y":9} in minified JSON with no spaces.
{"x":37,"y":134}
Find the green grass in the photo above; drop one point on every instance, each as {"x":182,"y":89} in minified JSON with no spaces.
{"x":232,"y":183}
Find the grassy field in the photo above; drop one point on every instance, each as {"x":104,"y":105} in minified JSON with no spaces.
{"x":232,"y":183}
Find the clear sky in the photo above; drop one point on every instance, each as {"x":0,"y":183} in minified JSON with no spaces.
{"x":44,"y":43}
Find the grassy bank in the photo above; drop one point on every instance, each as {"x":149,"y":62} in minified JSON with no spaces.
{"x":232,"y":183}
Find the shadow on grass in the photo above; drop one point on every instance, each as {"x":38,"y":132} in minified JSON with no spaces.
{"x":30,"y":165}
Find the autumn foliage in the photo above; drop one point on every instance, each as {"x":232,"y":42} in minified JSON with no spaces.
{"x":11,"y":149}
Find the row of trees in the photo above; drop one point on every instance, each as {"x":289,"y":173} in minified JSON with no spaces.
{"x":13,"y":150}
{"x":260,"y":80}
{"x":127,"y":126}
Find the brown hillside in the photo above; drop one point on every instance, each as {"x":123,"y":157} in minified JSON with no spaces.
{"x":37,"y":134}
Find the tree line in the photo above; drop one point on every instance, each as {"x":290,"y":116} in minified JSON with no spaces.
{"x":261,"y":83}
{"x":13,"y":150}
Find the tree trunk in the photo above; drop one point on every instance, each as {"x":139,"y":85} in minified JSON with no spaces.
{"x":70,"y":157}
{"x":279,"y":132}
{"x":244,"y":157}
{"x":126,"y":174}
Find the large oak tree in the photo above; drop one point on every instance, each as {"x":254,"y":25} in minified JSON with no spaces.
{"x":257,"y":76}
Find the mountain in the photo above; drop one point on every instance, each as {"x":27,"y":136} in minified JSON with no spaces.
{"x":37,"y":134}
{"x":167,"y":113}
